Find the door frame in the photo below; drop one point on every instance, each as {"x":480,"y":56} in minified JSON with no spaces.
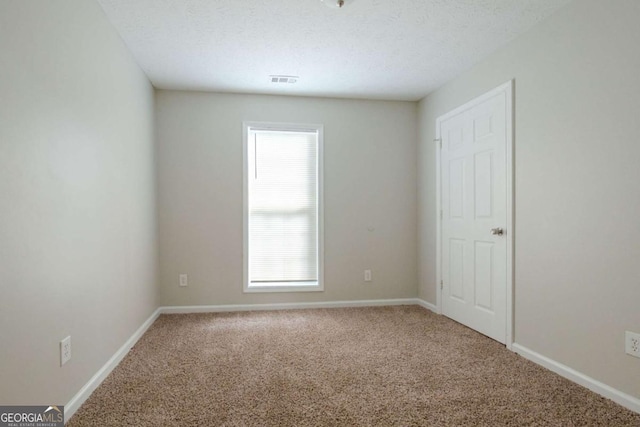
{"x":508,"y":89}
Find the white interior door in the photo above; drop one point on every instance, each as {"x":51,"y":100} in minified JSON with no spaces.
{"x":474,"y":213}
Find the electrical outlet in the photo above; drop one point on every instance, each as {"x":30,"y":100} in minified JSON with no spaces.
{"x":367,"y":275}
{"x":65,"y":350}
{"x":632,"y":343}
{"x":184,"y":280}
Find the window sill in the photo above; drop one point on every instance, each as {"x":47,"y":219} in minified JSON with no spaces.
{"x":285,"y":287}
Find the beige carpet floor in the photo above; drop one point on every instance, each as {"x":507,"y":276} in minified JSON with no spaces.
{"x":387,"y":366}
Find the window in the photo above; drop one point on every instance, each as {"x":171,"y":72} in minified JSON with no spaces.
{"x":282,"y":207}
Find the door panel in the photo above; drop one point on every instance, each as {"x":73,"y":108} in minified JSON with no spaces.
{"x":483,"y":185}
{"x":483,"y":279}
{"x":474,"y":201}
{"x":456,"y":265}
{"x":456,"y":188}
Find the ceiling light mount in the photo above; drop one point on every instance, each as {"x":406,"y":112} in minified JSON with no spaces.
{"x":336,"y":4}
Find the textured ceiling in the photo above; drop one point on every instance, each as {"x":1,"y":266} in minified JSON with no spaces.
{"x":393,"y":49}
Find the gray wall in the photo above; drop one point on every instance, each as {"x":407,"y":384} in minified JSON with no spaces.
{"x":77,"y":208}
{"x":370,"y":180}
{"x":577,"y":149}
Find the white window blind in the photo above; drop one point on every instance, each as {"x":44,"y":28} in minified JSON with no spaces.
{"x":283,"y":206}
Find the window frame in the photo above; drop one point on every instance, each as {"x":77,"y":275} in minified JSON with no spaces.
{"x":282,"y":127}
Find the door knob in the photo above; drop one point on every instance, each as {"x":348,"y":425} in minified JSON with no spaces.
{"x":497,"y":231}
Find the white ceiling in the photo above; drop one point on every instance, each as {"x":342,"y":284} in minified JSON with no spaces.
{"x":393,"y":49}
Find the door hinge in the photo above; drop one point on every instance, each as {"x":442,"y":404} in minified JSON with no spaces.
{"x":441,"y":284}
{"x":439,"y":141}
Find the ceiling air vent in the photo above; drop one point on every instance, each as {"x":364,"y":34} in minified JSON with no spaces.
{"x":283,"y":79}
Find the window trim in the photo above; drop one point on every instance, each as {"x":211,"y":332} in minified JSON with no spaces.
{"x":294,"y":127}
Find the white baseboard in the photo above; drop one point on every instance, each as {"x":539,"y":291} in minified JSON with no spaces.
{"x":284,"y":306}
{"x":602,"y":389}
{"x":427,"y":305}
{"x":76,"y":401}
